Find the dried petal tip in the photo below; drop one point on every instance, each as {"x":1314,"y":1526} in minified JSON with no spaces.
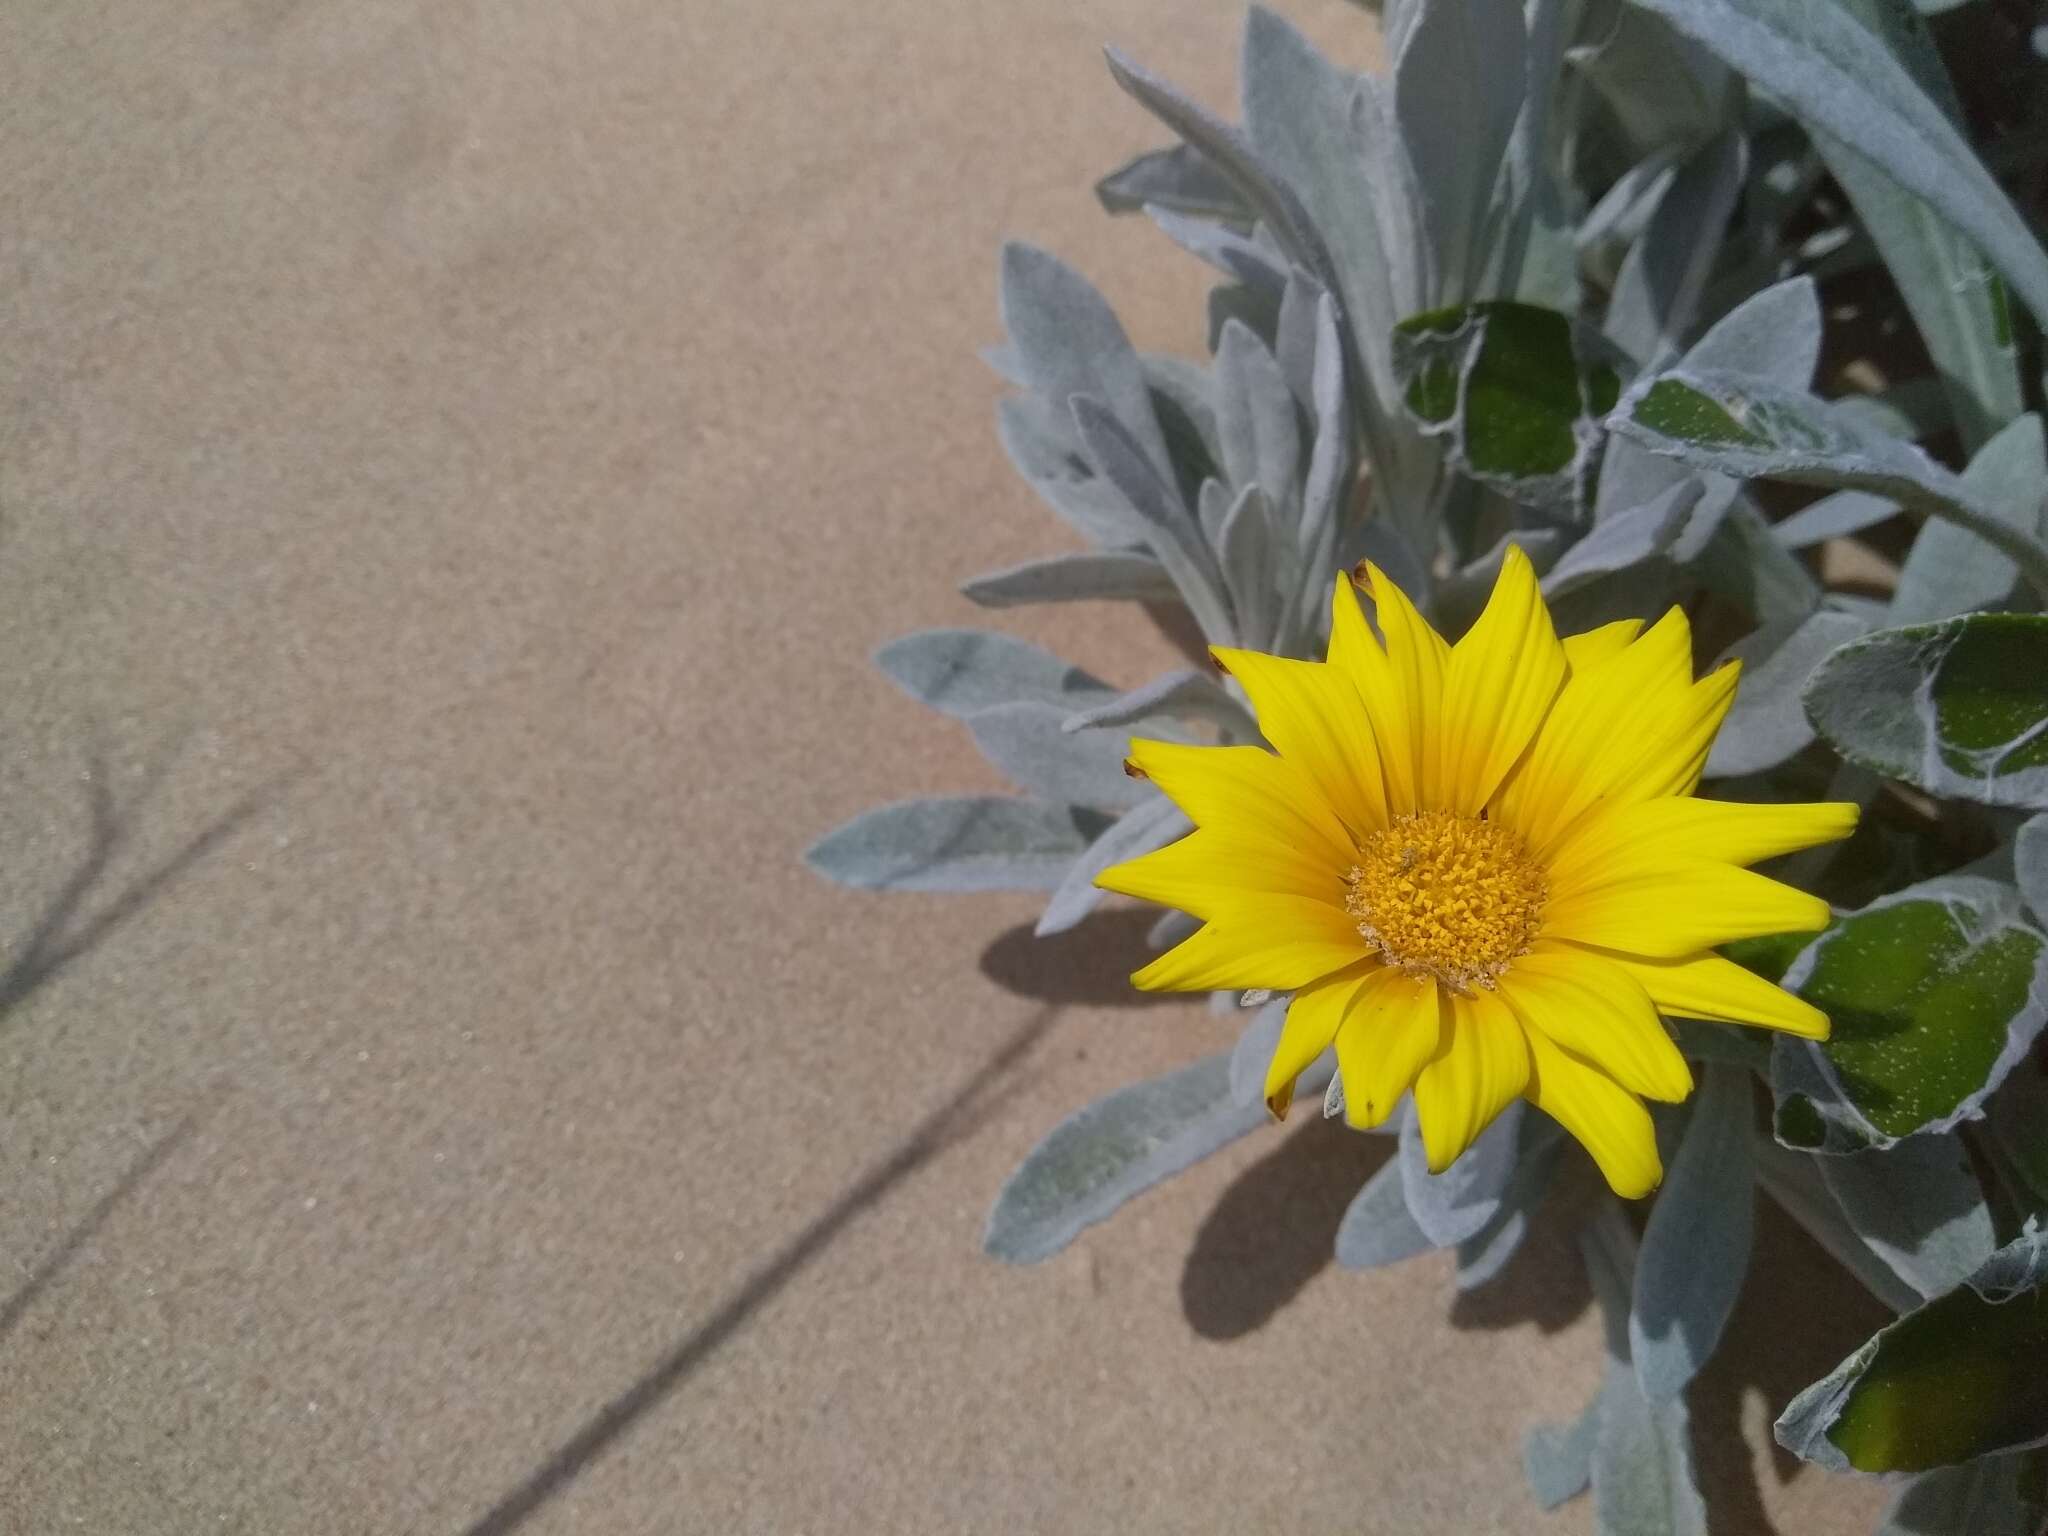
{"x":1280,"y":1100}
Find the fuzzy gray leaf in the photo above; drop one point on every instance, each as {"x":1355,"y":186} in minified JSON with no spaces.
{"x":1458,"y":86}
{"x":1658,"y":291}
{"x":1919,"y":1208}
{"x":963,"y":843}
{"x":1170,"y":528}
{"x":1665,"y":90}
{"x":1793,"y":1181}
{"x":1643,"y":1482}
{"x":1950,"y":570}
{"x":1767,"y":724}
{"x":1183,"y":692}
{"x":1153,"y":824}
{"x":1378,"y":1228}
{"x":2030,"y":864}
{"x":1178,"y":178}
{"x":1978,"y":1498}
{"x":1754,"y":429}
{"x":1253,"y":1052}
{"x":1251,"y":549}
{"x":1743,"y":563}
{"x":1171,"y":929}
{"x":1027,"y":743}
{"x":1838,"y":78}
{"x":1255,"y":419}
{"x":1696,"y":1245}
{"x":1263,"y":189}
{"x":1070,"y":343}
{"x":1238,"y":257}
{"x":1955,"y":708}
{"x":1558,"y":1458}
{"x":1046,"y":455}
{"x":1458,"y":1203}
{"x":1097,"y":1159}
{"x":1625,"y":539}
{"x":1298,"y":114}
{"x":1088,"y":576}
{"x":1485,"y":1254}
{"x":1773,"y":335}
{"x":1957,"y":300}
{"x":1325,"y":491}
{"x":960,"y":672}
{"x":1833,"y":517}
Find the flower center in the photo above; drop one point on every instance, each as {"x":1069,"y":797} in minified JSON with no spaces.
{"x":1452,"y":897}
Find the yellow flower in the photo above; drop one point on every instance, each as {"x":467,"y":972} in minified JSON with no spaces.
{"x":1480,"y":868}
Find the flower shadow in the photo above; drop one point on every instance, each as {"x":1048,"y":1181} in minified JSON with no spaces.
{"x":1088,"y":966}
{"x":1275,"y":1229}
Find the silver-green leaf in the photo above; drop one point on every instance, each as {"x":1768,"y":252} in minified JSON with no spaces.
{"x":958,"y":843}
{"x":1095,"y":1160}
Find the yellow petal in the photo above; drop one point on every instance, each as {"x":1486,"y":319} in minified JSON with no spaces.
{"x":1316,"y":721}
{"x":1356,"y":652}
{"x":1503,"y":676}
{"x":1678,"y":909}
{"x":1480,"y":1067}
{"x":1596,"y":645}
{"x":1606,"y":720}
{"x":1208,"y":871}
{"x":1678,"y":755}
{"x":1677,"y":828}
{"x":1392,"y":1026}
{"x":1608,"y":1120}
{"x":1598,"y":1011}
{"x":1709,"y":987}
{"x":1416,"y":659}
{"x":1280,"y":942}
{"x":1250,"y":792}
{"x":1313,"y":1018}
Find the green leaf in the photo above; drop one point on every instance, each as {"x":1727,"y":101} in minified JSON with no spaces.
{"x":1958,"y":708}
{"x":1960,"y":1377}
{"x":1097,"y":1159}
{"x":1755,"y":428}
{"x":1935,"y":993}
{"x":1515,"y":391}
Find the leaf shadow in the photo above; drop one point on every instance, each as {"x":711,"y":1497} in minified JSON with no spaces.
{"x":1798,"y":1316}
{"x":1088,"y":966}
{"x":64,"y":933}
{"x":1275,"y":1228}
{"x":1544,"y":1284}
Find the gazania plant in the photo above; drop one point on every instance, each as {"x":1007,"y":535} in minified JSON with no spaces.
{"x":1480,"y":869}
{"x":1548,"y":582}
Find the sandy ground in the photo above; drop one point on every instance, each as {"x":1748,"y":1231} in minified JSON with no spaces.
{"x":455,"y":461}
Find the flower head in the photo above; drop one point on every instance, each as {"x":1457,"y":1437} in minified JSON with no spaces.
{"x":1480,"y":868}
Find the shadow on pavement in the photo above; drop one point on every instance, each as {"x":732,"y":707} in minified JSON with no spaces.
{"x":944,"y":1127}
{"x":61,"y":935}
